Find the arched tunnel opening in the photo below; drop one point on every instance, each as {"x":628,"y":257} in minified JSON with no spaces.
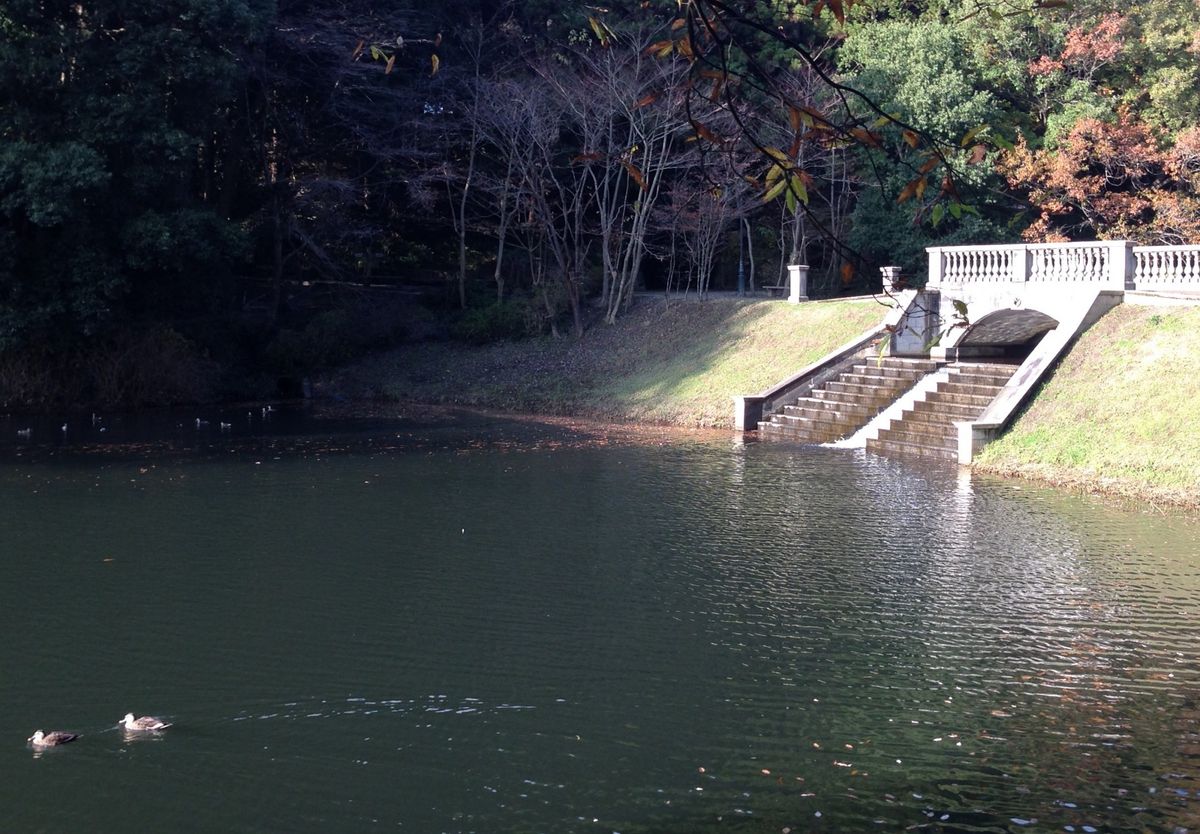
{"x":1005,"y":334}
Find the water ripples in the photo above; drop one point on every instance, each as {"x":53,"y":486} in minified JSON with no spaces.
{"x":674,"y":638}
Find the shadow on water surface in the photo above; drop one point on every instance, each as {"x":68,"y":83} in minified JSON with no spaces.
{"x":397,"y":623}
{"x":307,"y":428}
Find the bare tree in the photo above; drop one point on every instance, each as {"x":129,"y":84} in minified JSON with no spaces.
{"x":627,"y":109}
{"x":704,"y":212}
{"x":555,"y":191}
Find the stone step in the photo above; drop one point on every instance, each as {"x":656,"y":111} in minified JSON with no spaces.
{"x":883,"y":383}
{"x":948,"y":410}
{"x":999,"y":380}
{"x":822,"y":409}
{"x":857,"y":385}
{"x":922,"y":436}
{"x":954,"y":386}
{"x":914,"y":450}
{"x":877,"y":399}
{"x":998,"y":374}
{"x":991,"y":367}
{"x":933,"y":421}
{"x":802,"y":432}
{"x":980,"y":401}
{"x":820,"y":422}
{"x":908,"y":370}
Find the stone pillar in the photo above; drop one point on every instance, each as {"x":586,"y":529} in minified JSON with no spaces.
{"x":891,"y":278}
{"x":1020,"y":264}
{"x":1121,"y":264}
{"x":798,"y":282}
{"x":934,"y":279}
{"x":747,"y":412}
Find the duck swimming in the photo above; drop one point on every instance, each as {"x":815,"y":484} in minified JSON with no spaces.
{"x":147,"y":723}
{"x":51,"y":739}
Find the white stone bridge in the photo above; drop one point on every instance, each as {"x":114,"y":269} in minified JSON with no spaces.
{"x":1028,"y":301}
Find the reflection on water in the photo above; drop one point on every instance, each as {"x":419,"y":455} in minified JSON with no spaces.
{"x":511,"y":627}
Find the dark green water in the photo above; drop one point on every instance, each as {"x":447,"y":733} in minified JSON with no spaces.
{"x":502,"y":627}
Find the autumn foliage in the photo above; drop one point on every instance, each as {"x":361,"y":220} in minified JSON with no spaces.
{"x":1110,"y":180}
{"x":1125,"y":168}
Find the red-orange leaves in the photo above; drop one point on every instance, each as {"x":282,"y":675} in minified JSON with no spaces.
{"x":660,"y":49}
{"x":867,"y":137}
{"x":635,"y":174}
{"x":838,"y":7}
{"x":705,"y":132}
{"x":1109,"y":180}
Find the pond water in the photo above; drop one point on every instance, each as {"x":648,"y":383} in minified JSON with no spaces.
{"x":473,"y":624}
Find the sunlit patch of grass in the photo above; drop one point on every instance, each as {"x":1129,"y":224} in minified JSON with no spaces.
{"x":1120,"y":414}
{"x":680,"y":364}
{"x":692,"y":377}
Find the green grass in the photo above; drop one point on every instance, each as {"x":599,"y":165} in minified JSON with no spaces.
{"x":1121,"y":414}
{"x":680,"y":364}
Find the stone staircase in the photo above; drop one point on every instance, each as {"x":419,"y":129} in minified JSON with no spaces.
{"x":843,"y":406}
{"x":927,"y":429}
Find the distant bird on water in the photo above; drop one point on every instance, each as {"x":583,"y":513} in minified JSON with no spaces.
{"x":51,"y":739}
{"x":147,"y":723}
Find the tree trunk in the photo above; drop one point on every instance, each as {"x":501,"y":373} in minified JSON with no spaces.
{"x":462,"y":231}
{"x":749,"y":251}
{"x":499,"y":273}
{"x":276,"y":259}
{"x":550,"y":313}
{"x":576,"y":311}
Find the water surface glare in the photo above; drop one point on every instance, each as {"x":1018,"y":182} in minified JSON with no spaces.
{"x":565,"y":631}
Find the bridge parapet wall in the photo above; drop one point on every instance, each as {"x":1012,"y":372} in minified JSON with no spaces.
{"x":1102,"y":264}
{"x":1105,"y":264}
{"x":1166,"y":267}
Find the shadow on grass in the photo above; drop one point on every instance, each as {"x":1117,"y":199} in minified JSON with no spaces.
{"x":678,"y":364}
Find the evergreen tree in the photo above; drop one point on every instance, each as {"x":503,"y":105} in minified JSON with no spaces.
{"x":115,"y":159}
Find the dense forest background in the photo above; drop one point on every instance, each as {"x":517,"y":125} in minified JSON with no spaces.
{"x":204,"y":198}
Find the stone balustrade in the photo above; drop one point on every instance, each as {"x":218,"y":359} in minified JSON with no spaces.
{"x":1112,"y":264}
{"x":1166,"y":266}
{"x":1108,"y":262}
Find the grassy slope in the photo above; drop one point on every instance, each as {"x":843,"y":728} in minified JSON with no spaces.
{"x":1121,"y":413}
{"x":679,"y":365}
